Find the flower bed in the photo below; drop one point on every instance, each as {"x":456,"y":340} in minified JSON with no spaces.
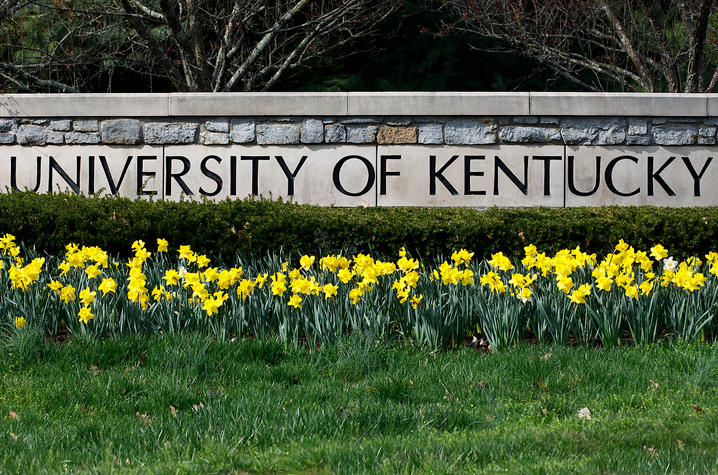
{"x":628,"y":294}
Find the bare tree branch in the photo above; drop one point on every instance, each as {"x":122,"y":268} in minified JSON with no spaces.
{"x":712,"y":83}
{"x":220,"y":62}
{"x":263,"y":43}
{"x":208,"y":45}
{"x":149,"y":12}
{"x":20,"y":75}
{"x":146,"y":35}
{"x":667,"y":61}
{"x":646,"y":80}
{"x":639,"y":45}
{"x":697,"y":42}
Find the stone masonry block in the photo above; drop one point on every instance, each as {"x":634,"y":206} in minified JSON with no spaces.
{"x":55,"y":137}
{"x":674,"y":134}
{"x":170,"y":132}
{"x":242,"y":131}
{"x":31,"y":135}
{"x":704,"y":131}
{"x":335,"y":133}
{"x":524,"y":134}
{"x":271,"y":133}
{"x":312,"y":131}
{"x":470,"y":132}
{"x":388,"y":134}
{"x":361,"y":120}
{"x":430,"y":133}
{"x":637,"y":126}
{"x":361,"y":133}
{"x":82,"y":137}
{"x":213,"y":138}
{"x":593,"y":131}
{"x":638,"y":140}
{"x":397,"y":120}
{"x":121,"y":131}
{"x":6,"y":125}
{"x":217,"y":124}
{"x":527,"y":120}
{"x":86,"y":125}
{"x":63,"y":125}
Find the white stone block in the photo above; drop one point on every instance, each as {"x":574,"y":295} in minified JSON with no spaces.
{"x":618,"y":104}
{"x":641,"y":175}
{"x":192,"y":171}
{"x":84,"y":105}
{"x":412,"y":104}
{"x":470,"y":176}
{"x":258,"y":104}
{"x":86,"y":169}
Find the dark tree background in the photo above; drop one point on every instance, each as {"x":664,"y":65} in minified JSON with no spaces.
{"x":337,"y":45}
{"x":419,"y":50}
{"x":631,"y":45}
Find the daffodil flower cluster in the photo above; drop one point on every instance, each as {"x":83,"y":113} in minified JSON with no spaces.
{"x":161,"y":290}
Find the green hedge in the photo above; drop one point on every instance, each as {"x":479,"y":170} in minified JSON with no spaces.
{"x":257,"y":227}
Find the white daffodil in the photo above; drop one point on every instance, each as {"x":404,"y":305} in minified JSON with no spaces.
{"x":670,"y":263}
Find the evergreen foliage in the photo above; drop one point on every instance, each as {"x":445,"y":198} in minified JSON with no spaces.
{"x":257,"y":227}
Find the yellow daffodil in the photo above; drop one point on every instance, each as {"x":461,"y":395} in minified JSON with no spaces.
{"x":108,"y":286}
{"x":524,"y":294}
{"x":93,"y":271}
{"x":564,"y":284}
{"x":67,"y":293}
{"x":306,"y":262}
{"x":646,"y":287}
{"x":604,"y":283}
{"x":461,"y":257}
{"x":87,"y":296}
{"x":295,"y":301}
{"x":330,"y":290}
{"x":158,"y":293}
{"x":55,"y":286}
{"x":355,"y":295}
{"x":210,"y":274}
{"x":501,"y":262}
{"x":85,"y":315}
{"x":658,"y":252}
{"x":632,"y":291}
{"x":579,"y":295}
{"x":245,"y":288}
{"x":171,"y":277}
{"x":202,"y":261}
{"x":345,"y":275}
{"x":493,"y":281}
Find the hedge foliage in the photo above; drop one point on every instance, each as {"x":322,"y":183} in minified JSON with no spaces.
{"x":48,"y":222}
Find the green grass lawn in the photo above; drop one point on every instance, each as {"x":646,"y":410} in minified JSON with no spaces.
{"x":188,"y":404}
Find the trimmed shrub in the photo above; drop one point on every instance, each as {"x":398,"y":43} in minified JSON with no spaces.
{"x":257,"y":227}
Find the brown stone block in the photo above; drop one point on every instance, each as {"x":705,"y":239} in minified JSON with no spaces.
{"x":389,"y":134}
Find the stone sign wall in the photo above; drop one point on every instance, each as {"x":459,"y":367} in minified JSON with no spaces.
{"x":491,"y":151}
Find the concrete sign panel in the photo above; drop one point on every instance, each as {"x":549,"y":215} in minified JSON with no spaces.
{"x":475,"y":176}
{"x":323,"y":175}
{"x":375,"y":175}
{"x":133,"y":172}
{"x":645,"y":175}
